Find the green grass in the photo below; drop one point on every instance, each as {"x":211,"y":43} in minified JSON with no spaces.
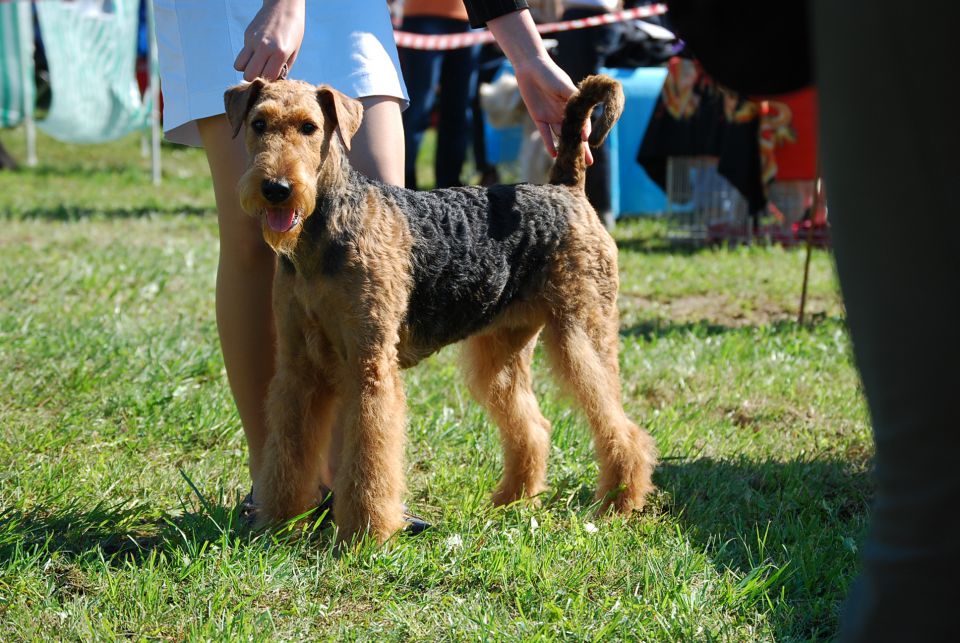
{"x":122,"y":458}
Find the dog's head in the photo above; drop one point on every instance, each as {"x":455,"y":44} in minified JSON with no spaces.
{"x":297,"y":135}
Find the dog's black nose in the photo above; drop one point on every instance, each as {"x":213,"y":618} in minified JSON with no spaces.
{"x":275,"y":191}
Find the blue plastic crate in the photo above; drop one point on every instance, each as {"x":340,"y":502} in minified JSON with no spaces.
{"x":503,"y":145}
{"x":632,"y":191}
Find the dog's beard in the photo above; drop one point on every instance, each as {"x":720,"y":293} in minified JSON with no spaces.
{"x":282,"y":224}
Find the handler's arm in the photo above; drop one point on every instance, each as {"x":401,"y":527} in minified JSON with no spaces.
{"x":544,"y":87}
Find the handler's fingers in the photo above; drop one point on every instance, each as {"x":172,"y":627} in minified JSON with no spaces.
{"x":547,"y":135}
{"x":585,"y":137}
{"x":243,"y":58}
{"x":291,"y":59}
{"x":254,"y":68}
{"x":271,"y":69}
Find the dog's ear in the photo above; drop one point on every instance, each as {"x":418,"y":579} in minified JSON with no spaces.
{"x":340,"y":112}
{"x":238,"y":100}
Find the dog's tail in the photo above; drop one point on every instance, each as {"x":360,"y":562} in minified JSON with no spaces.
{"x":570,"y":166}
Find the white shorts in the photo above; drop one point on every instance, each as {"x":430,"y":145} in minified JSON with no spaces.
{"x":347,"y":44}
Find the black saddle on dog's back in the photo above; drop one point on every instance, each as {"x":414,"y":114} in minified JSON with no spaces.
{"x":475,"y":250}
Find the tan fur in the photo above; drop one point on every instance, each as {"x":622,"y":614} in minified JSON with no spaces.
{"x":342,"y":337}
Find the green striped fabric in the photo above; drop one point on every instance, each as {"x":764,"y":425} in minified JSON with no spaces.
{"x":91,"y":49}
{"x":17,"y":91}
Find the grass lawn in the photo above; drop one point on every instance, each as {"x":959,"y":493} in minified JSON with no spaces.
{"x":122,"y":457}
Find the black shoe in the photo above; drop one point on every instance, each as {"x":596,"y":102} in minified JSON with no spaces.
{"x":325,"y":509}
{"x":489,"y":177}
{"x":415,"y":524}
{"x":248,"y":510}
{"x":248,"y":514}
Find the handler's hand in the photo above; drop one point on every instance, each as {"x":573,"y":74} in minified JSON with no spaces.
{"x":271,"y":40}
{"x":545,"y":89}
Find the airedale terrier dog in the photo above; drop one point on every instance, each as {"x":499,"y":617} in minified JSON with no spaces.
{"x":373,"y":278}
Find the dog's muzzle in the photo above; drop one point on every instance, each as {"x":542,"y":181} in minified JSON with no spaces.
{"x":279,"y":218}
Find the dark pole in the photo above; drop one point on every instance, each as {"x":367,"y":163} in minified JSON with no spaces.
{"x":814,"y":208}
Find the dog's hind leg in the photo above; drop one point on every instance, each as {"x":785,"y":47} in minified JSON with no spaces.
{"x":497,"y":367}
{"x":582,"y":345}
{"x":299,"y":409}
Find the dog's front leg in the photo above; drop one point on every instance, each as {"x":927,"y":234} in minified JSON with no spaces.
{"x":298,"y":408}
{"x":369,"y":484}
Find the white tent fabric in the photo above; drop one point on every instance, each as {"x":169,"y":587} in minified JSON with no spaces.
{"x":91,"y":52}
{"x":17,"y":91}
{"x":18,"y":94}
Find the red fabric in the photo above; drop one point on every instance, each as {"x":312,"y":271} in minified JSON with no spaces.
{"x":143,"y":79}
{"x":797,"y":160}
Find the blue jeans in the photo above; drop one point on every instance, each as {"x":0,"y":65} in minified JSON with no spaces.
{"x":445,"y":80}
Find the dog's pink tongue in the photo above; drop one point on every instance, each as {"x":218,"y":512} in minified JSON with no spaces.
{"x":280,"y":219}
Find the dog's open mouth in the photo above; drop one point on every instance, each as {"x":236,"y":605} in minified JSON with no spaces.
{"x":282,"y":219}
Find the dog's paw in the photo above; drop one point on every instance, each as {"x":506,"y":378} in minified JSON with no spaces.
{"x":354,"y":524}
{"x":623,"y":499}
{"x":509,"y":494}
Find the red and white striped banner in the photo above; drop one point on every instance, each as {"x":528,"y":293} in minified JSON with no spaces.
{"x":440,"y":42}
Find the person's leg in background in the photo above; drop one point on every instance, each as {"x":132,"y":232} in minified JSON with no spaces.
{"x":890,"y":147}
{"x":458,"y":80}
{"x":244,"y":286}
{"x":580,"y":53}
{"x":490,"y":60}
{"x":247,"y":264}
{"x":421,"y":73}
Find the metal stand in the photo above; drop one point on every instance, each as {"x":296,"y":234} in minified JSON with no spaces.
{"x":154,"y":90}
{"x":25,"y":29}
{"x":814,"y":209}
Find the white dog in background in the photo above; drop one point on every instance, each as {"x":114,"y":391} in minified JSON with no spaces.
{"x":503,"y":107}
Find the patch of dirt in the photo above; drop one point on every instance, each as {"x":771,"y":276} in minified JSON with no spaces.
{"x":723,"y":310}
{"x":68,"y":580}
{"x":754,"y":415}
{"x":657,"y":394}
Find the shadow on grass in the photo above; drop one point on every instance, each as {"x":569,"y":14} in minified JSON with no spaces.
{"x":657,"y":327}
{"x":105,"y":169}
{"x":788,"y":530}
{"x":651,"y":328}
{"x":77,"y":213}
{"x":662,"y":245}
{"x":654,"y":237}
{"x":122,"y":533}
{"x":800,"y":520}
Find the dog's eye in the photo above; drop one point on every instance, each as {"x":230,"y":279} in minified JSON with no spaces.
{"x":259,"y":125}
{"x":308,"y":129}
